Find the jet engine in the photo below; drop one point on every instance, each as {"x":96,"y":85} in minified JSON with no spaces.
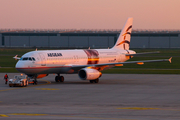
{"x":89,"y":74}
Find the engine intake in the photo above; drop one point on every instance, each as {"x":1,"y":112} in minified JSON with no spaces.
{"x":89,"y":74}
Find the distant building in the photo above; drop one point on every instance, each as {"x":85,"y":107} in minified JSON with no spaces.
{"x":87,"y":38}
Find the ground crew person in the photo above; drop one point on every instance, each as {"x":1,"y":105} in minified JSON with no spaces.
{"x":6,"y":78}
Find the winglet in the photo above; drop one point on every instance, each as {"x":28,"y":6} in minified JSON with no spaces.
{"x":170,"y":59}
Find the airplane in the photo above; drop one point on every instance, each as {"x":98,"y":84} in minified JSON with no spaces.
{"x":87,"y":63}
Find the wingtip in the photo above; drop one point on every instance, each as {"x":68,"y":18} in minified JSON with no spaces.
{"x":170,"y":59}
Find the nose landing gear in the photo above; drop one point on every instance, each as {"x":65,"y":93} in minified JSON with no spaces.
{"x":35,"y":80}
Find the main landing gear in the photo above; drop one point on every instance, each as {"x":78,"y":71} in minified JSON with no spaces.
{"x":94,"y":81}
{"x":59,"y":78}
{"x":34,"y":79}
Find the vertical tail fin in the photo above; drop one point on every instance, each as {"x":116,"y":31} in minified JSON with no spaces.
{"x":123,"y":41}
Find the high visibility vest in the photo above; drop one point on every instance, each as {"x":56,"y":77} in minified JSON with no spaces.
{"x":5,"y":76}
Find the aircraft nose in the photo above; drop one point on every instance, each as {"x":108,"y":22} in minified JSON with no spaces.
{"x":19,"y":65}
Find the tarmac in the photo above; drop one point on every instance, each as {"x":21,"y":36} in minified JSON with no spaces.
{"x":115,"y":97}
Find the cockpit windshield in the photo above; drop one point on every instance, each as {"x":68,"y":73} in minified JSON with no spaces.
{"x":28,"y":58}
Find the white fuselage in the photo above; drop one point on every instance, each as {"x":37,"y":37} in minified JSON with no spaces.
{"x":61,"y":61}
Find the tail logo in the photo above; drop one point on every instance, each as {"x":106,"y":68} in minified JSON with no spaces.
{"x":125,"y":41}
{"x":93,"y":56}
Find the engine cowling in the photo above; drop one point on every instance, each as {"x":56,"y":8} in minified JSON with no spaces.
{"x":89,"y":74}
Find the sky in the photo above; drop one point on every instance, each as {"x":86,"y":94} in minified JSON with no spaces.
{"x":89,"y":14}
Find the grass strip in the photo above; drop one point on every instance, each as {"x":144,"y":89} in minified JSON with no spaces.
{"x":8,"y":70}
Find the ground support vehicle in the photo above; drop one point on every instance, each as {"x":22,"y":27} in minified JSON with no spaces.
{"x":18,"y":80}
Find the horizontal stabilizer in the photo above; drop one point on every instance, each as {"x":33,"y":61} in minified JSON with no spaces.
{"x":145,"y":53}
{"x":16,"y":57}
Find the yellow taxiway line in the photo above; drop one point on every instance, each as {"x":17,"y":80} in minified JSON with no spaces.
{"x":3,"y":115}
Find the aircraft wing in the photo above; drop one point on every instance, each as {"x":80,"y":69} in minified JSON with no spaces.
{"x":137,"y":62}
{"x":76,"y":67}
{"x":144,"y":53}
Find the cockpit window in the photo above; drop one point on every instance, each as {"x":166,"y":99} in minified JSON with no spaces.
{"x":25,"y":58}
{"x":33,"y":58}
{"x":28,"y":58}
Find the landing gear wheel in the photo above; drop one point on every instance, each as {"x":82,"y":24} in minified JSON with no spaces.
{"x":96,"y":80}
{"x":26,"y":82}
{"x":57,"y":78}
{"x":61,"y":79}
{"x":23,"y":84}
{"x":91,"y":81}
{"x":35,"y":82}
